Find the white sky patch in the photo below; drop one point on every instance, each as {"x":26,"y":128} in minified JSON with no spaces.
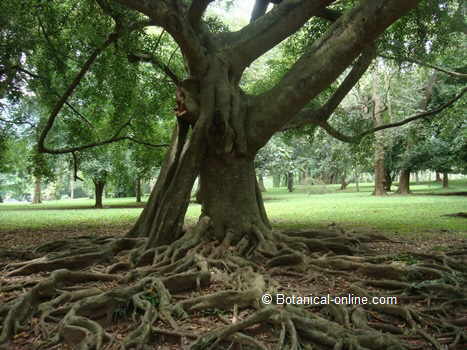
{"x":238,"y":14}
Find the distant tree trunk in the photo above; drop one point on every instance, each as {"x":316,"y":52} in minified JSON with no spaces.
{"x":380,"y":170}
{"x":72,"y":185}
{"x":404,"y":182}
{"x":276,"y":180}
{"x":261,"y":182}
{"x":36,"y":198}
{"x":417,"y":178}
{"x":138,"y":189}
{"x":388,"y":180}
{"x":445,"y":180}
{"x":344,"y":183}
{"x":438,"y":177}
{"x":285,"y":180}
{"x":357,"y":181}
{"x":290,"y":181}
{"x":98,"y":193}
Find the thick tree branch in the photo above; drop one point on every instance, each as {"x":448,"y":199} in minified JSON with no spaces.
{"x":196,"y":11}
{"x":72,"y":108}
{"x":357,"y":138}
{"x":259,"y":9}
{"x":102,"y":143}
{"x":308,"y":116}
{"x":323,"y":63}
{"x":113,"y":37}
{"x":328,"y":14}
{"x":359,"y":68}
{"x":156,"y":10}
{"x":114,"y":138}
{"x":270,"y":29}
{"x":69,"y":91}
{"x":173,"y":18}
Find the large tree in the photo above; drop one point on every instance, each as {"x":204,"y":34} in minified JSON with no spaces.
{"x":227,"y":125}
{"x":218,"y":131}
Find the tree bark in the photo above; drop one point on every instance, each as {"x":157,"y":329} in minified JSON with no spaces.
{"x":438,"y":177}
{"x":445,"y":180}
{"x":98,"y":193}
{"x":37,"y":196}
{"x":231,"y":197}
{"x":138,"y":189}
{"x":404,"y":182}
{"x":388,"y":179}
{"x":380,"y":170}
{"x":72,"y":185}
{"x":290,"y":184}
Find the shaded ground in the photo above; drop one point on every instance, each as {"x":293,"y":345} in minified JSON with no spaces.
{"x":293,"y":280}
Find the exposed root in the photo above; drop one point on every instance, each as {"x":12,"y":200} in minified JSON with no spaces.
{"x":155,"y":293}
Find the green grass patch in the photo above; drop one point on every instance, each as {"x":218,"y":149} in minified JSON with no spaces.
{"x":415,"y":215}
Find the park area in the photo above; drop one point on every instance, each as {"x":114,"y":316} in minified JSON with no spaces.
{"x":233,"y":175}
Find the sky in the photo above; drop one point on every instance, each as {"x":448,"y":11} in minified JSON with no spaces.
{"x":238,"y":13}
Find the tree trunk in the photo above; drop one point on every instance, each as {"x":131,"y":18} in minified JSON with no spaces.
{"x":344,"y":183}
{"x":72,"y":186}
{"x":404,"y":182}
{"x":417,"y":178}
{"x":261,"y":182}
{"x":36,"y":198}
{"x":438,"y":177}
{"x":231,"y":197}
{"x":380,"y":170}
{"x":290,"y":184}
{"x":445,"y":180}
{"x":285,"y":180}
{"x":388,"y":179}
{"x":138,"y":189}
{"x":98,"y":193}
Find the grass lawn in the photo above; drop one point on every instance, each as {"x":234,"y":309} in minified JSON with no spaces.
{"x":418,"y":215}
